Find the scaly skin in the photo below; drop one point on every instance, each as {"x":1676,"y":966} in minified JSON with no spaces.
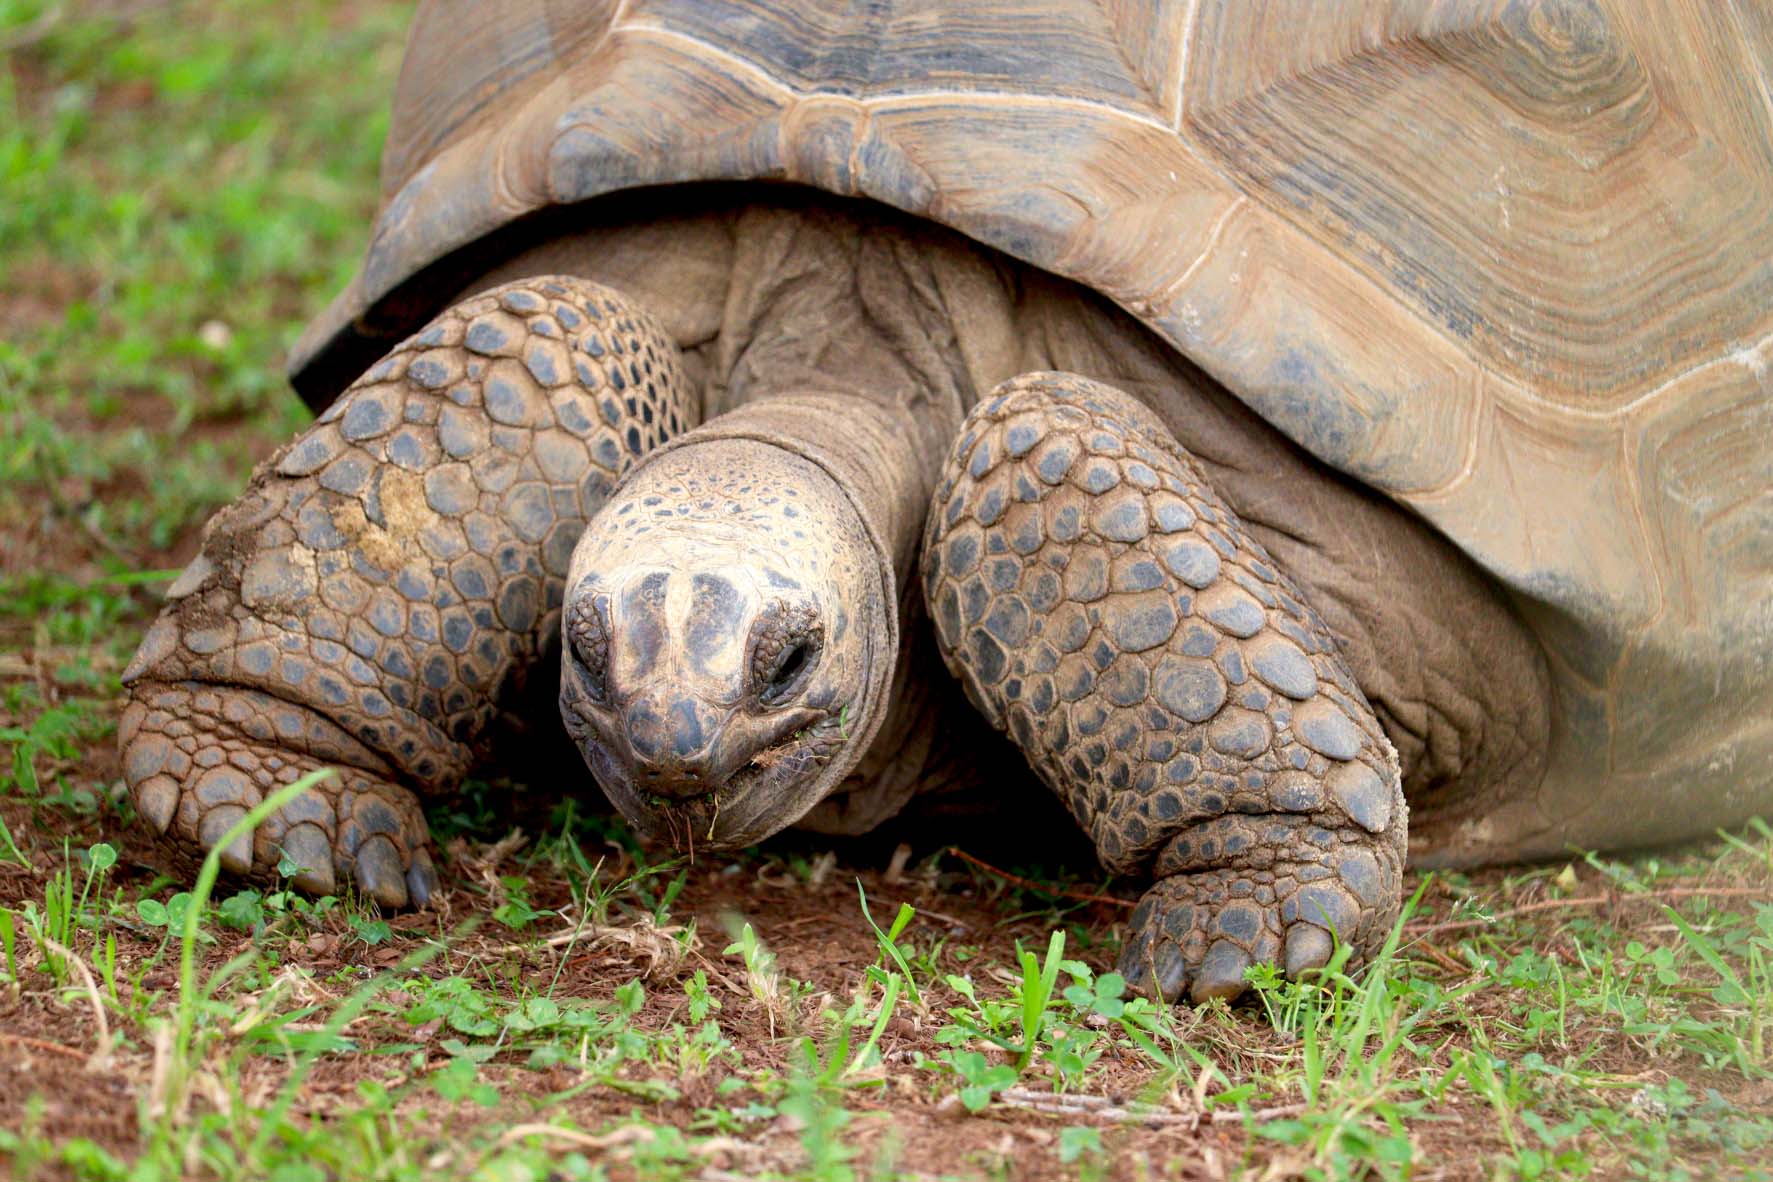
{"x":379,"y":593}
{"x":1104,"y":606}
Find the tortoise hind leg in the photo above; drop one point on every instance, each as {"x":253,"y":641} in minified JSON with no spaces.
{"x":1103,"y":605}
{"x":381,"y":591}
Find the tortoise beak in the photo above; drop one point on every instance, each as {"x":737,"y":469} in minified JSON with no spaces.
{"x":674,"y":747}
{"x":694,"y":774}
{"x":687,"y":748}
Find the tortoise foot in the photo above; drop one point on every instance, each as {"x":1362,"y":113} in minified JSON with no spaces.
{"x":197,"y":758}
{"x":1102,"y":604}
{"x":1240,"y":891}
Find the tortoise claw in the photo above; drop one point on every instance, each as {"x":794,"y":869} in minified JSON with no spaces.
{"x":157,"y":800}
{"x":1308,"y":949}
{"x":307,"y":845}
{"x":1159,"y":971}
{"x":379,"y":873}
{"x":237,"y":857}
{"x":1221,"y":973}
{"x":421,"y":879}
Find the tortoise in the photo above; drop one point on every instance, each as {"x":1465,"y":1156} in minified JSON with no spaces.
{"x":1269,"y":418}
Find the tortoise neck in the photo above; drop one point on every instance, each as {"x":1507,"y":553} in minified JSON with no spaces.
{"x":870,"y":450}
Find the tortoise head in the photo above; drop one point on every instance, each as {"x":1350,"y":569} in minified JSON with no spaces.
{"x":728,"y":640}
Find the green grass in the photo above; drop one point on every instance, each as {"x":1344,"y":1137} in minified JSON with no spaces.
{"x":183,"y":189}
{"x":460,"y":1053}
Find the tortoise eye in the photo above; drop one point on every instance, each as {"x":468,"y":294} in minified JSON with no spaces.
{"x":785,"y":649}
{"x":587,"y":636}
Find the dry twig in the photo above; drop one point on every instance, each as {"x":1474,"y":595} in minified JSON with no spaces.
{"x":42,"y":1044}
{"x":663,"y":947}
{"x":1044,"y":888}
{"x":1105,"y":1108}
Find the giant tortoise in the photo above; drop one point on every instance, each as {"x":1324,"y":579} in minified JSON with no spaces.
{"x":1269,"y":414}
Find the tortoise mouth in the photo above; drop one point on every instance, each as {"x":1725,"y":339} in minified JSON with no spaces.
{"x":769,"y":792}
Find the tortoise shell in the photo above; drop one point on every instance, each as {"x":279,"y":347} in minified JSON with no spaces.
{"x":1510,"y":263}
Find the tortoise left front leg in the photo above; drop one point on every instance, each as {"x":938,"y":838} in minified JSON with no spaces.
{"x":383,"y":589}
{"x":1102,"y":604}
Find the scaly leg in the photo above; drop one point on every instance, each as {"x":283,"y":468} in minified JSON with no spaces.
{"x":1104,"y":606}
{"x":382,"y":588}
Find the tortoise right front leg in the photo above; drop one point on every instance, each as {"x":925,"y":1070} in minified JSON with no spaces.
{"x":382,"y":588}
{"x":1104,"y":605}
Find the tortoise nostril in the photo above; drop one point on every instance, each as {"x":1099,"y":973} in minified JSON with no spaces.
{"x":687,"y":734}
{"x":647,"y":731}
{"x":673,"y":746}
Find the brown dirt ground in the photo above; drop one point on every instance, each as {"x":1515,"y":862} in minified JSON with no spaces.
{"x":819,"y":935}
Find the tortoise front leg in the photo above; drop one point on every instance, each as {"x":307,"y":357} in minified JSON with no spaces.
{"x":1104,"y":606}
{"x":380,"y":591}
